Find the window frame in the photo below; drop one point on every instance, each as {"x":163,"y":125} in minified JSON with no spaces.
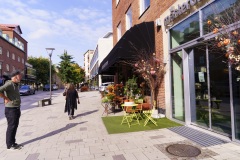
{"x":119,"y":31}
{"x":129,"y":18}
{"x":143,"y":6}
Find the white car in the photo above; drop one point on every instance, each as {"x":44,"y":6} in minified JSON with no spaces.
{"x":55,"y":87}
{"x":104,"y":86}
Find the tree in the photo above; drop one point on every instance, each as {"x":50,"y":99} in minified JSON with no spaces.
{"x":79,"y":73}
{"x":151,"y":69}
{"x":69,"y":71}
{"x":42,"y":68}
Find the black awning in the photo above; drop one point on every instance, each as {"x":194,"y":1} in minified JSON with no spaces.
{"x":138,"y":37}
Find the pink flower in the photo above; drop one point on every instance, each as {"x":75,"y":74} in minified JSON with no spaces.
{"x":157,"y":60}
{"x":152,"y":72}
{"x":136,"y":64}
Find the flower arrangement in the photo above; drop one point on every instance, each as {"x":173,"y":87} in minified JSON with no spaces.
{"x":111,"y":96}
{"x":227,"y":34}
{"x":119,"y":89}
{"x":105,"y":100}
{"x":110,"y":88}
{"x":151,"y":69}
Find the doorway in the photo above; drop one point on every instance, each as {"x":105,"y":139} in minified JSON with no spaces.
{"x":210,"y":106}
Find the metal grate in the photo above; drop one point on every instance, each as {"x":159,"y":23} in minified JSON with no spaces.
{"x":198,"y":137}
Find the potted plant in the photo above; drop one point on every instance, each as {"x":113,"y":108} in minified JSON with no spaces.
{"x":131,"y":88}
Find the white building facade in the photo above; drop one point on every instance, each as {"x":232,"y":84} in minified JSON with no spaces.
{"x":87,"y":59}
{"x":104,"y":46}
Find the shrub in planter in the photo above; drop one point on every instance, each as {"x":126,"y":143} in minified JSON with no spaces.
{"x":84,"y":88}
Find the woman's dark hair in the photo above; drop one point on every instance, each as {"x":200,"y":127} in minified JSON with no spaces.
{"x":71,"y":86}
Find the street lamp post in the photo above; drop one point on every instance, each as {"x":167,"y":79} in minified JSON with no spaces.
{"x":50,"y":51}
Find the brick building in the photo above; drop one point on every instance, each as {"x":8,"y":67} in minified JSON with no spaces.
{"x":200,"y":87}
{"x":13,"y":49}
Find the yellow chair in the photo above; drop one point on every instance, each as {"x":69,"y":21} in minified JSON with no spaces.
{"x":139,"y":108}
{"x":130,"y":115}
{"x":148,"y":114}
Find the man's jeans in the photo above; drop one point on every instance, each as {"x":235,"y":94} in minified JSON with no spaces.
{"x":12,"y":115}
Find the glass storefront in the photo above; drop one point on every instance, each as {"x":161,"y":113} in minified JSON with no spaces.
{"x":177,"y":86}
{"x":212,"y":90}
{"x":185,"y":31}
{"x":214,"y":87}
{"x":236,"y":101}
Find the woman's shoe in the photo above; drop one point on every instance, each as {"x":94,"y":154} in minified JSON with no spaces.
{"x":70,"y":118}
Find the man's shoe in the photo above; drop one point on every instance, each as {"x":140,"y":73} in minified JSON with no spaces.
{"x":17,"y":145}
{"x":70,"y":118}
{"x":14,"y":148}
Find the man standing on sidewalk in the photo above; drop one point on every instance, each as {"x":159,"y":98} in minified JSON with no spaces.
{"x":10,"y":93}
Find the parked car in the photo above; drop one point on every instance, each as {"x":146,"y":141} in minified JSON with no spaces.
{"x":46,"y":87}
{"x":104,"y":86}
{"x":55,"y":87}
{"x":26,"y":90}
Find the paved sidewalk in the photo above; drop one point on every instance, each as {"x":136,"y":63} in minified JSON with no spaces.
{"x":48,"y":134}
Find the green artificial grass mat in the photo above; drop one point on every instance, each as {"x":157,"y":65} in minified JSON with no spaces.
{"x":113,"y":125}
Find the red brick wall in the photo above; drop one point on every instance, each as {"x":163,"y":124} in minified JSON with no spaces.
{"x":157,"y":7}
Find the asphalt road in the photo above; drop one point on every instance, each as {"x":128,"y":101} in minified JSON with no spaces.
{"x":30,"y":101}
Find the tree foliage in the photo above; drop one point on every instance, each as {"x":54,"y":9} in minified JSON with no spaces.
{"x":42,"y":68}
{"x":69,"y":71}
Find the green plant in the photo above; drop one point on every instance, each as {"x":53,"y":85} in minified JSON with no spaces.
{"x":110,"y":96}
{"x":131,"y":88}
{"x":105,"y":100}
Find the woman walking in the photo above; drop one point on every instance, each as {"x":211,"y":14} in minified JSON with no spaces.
{"x":71,"y":100}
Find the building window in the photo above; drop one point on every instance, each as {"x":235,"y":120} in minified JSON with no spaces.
{"x":117,"y":1}
{"x":19,"y":59}
{"x":129,"y":19}
{"x":119,"y":32}
{"x":144,"y":4}
{"x":13,"y":68}
{"x":0,"y":50}
{"x":13,"y":56}
{"x":22,"y":60}
{"x":7,"y":67}
{"x":8,"y":54}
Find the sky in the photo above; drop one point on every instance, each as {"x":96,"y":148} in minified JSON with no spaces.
{"x":66,"y":25}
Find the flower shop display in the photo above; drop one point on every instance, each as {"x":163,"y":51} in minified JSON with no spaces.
{"x":226,"y":28}
{"x":152,"y":70}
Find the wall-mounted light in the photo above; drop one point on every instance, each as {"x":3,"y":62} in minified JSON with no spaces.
{"x":158,"y":22}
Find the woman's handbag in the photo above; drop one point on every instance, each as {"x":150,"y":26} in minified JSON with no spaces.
{"x":65,"y":93}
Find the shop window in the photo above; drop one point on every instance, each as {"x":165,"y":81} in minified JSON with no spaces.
{"x":221,"y":9}
{"x":119,"y":32}
{"x":144,"y":4}
{"x":129,"y":19}
{"x":177,"y":86}
{"x":185,"y":31}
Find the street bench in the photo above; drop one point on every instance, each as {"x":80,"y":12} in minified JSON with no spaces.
{"x":42,"y":102}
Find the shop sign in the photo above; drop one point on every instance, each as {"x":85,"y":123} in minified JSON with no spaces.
{"x":174,"y":13}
